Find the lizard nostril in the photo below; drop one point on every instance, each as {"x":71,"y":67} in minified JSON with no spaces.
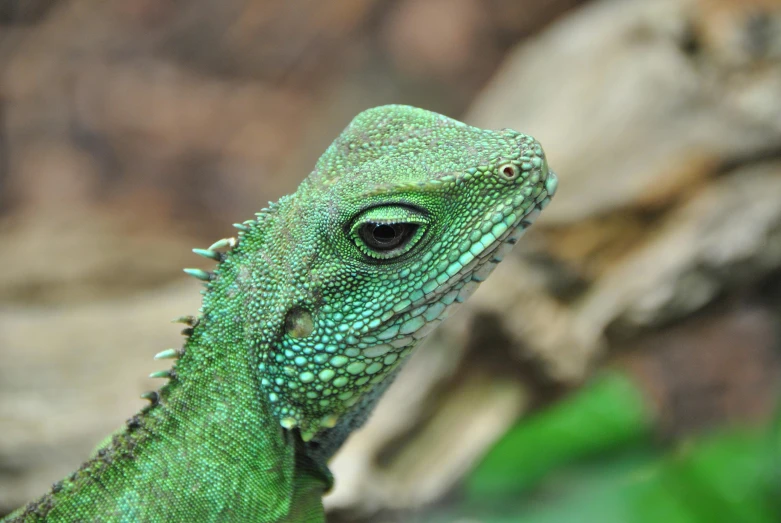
{"x":508,"y":171}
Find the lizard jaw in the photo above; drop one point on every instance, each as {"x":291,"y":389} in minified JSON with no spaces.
{"x":477,"y":270}
{"x":445,"y":298}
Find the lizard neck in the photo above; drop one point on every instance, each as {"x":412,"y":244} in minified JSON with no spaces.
{"x":208,"y":444}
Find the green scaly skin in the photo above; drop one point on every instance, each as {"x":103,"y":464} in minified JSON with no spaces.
{"x":307,"y":318}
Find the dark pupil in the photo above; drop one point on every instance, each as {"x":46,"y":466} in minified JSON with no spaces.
{"x":386,"y":236}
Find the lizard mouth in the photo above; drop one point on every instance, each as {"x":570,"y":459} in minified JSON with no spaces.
{"x":438,"y":295}
{"x":477,"y":270}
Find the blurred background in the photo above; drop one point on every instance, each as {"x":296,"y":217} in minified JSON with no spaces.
{"x":622,"y":366}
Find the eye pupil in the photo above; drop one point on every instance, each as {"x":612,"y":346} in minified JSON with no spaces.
{"x":385,"y":237}
{"x":385,"y":234}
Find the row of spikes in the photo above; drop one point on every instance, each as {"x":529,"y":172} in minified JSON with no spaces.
{"x":213,"y":252}
{"x":135,"y":422}
{"x":191,"y":322}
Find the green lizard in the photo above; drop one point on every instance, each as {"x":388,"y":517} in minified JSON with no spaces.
{"x":307,"y":318}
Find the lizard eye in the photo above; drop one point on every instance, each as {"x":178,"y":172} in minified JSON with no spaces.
{"x":387,"y":236}
{"x":388,"y":232}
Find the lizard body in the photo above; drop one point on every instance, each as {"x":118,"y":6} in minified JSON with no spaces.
{"x":307,"y":318}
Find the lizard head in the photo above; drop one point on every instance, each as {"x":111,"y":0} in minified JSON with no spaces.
{"x":402,"y":218}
